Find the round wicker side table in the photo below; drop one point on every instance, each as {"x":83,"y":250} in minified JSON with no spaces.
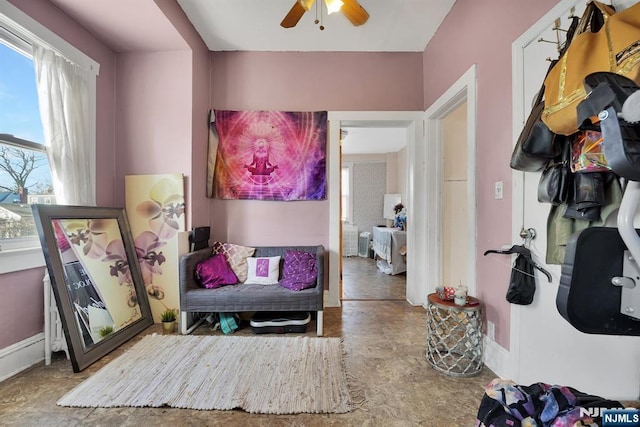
{"x":454,"y":336}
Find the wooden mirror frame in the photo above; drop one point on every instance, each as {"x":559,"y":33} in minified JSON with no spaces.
{"x":120,"y":272}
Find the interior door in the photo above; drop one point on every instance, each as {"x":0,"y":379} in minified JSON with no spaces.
{"x":539,"y":324}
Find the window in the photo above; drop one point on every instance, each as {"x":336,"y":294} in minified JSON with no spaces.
{"x":346,"y":210}
{"x":25,"y":174}
{"x":24,"y":167}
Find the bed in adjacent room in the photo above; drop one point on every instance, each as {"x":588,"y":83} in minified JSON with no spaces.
{"x":389,"y":245}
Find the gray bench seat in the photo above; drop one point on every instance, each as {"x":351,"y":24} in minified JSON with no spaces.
{"x":249,"y":297}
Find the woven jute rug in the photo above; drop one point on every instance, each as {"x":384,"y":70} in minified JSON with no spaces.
{"x":268,"y":375}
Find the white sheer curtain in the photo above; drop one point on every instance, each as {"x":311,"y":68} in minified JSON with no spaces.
{"x":64,"y":107}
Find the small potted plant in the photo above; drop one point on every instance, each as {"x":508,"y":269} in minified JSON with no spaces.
{"x":168,"y":321}
{"x":106,"y":330}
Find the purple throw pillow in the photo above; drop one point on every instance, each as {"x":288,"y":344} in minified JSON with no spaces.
{"x":215,"y":272}
{"x":299,"y":271}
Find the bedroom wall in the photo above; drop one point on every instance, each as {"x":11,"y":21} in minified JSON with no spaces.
{"x":158,"y":84}
{"x":395,"y":182}
{"x":369,"y":187}
{"x":392,"y":185}
{"x":273,"y":81}
{"x":197,"y":204}
{"x":401,"y":162}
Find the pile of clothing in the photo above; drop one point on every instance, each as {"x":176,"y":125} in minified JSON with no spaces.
{"x":400,"y":218}
{"x":538,"y":405}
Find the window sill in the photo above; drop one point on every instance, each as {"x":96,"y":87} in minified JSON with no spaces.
{"x":21,"y":259}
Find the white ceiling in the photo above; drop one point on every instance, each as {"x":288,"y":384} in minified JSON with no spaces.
{"x":254,"y":25}
{"x":374,"y":137}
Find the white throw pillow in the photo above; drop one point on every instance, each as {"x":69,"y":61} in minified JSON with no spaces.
{"x":263,"y":270}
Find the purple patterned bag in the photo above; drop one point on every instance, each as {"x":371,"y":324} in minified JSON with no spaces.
{"x":215,"y":272}
{"x":300,"y":270}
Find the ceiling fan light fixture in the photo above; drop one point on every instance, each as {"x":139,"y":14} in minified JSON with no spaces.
{"x":306,"y":4}
{"x":333,"y":5}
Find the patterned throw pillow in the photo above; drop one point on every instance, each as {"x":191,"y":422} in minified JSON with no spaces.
{"x":263,"y":270}
{"x":236,"y":256}
{"x":300,"y":270}
{"x":215,"y":272}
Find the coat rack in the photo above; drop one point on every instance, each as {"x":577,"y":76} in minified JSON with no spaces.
{"x":557,"y":29}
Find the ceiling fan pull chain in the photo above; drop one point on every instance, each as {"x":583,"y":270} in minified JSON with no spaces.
{"x":316,"y":21}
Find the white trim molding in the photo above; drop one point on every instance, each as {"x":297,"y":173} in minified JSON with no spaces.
{"x":464,"y":89}
{"x":496,"y":358}
{"x":415,"y":217}
{"x":21,"y":355}
{"x":21,"y":259}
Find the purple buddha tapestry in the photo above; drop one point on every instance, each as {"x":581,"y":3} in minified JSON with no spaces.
{"x":268,"y":155}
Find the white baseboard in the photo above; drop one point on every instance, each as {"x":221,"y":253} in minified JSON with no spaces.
{"x":21,"y":355}
{"x":496,"y":357}
{"x":329,"y":301}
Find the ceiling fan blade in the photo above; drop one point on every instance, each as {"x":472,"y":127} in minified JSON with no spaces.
{"x":354,"y":12}
{"x":294,"y":15}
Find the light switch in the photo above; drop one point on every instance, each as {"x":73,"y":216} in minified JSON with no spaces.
{"x":499,"y":190}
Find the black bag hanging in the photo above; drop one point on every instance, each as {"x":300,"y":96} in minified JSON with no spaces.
{"x":522,"y":285}
{"x":556,"y":180}
{"x":537,"y":145}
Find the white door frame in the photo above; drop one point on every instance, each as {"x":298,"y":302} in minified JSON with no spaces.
{"x":415,"y":217}
{"x":517,"y":209}
{"x":462,"y":90}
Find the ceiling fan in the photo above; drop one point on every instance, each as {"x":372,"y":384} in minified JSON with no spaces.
{"x":350,"y":8}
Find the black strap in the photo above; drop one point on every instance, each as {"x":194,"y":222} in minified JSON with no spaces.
{"x":515,"y":249}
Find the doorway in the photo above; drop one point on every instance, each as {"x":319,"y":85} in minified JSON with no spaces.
{"x":374,"y":157}
{"x":412,"y":120}
{"x":450,"y":158}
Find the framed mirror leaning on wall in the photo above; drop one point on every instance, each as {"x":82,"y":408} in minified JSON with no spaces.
{"x":96,"y":279}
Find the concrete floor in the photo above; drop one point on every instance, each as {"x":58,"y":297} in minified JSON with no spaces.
{"x":384,"y":342}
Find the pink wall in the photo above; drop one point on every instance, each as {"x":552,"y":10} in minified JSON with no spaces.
{"x":303,"y":81}
{"x":479,"y":33}
{"x":199,"y":208}
{"x":21,"y":305}
{"x":197,"y":203}
{"x":153,"y":117}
